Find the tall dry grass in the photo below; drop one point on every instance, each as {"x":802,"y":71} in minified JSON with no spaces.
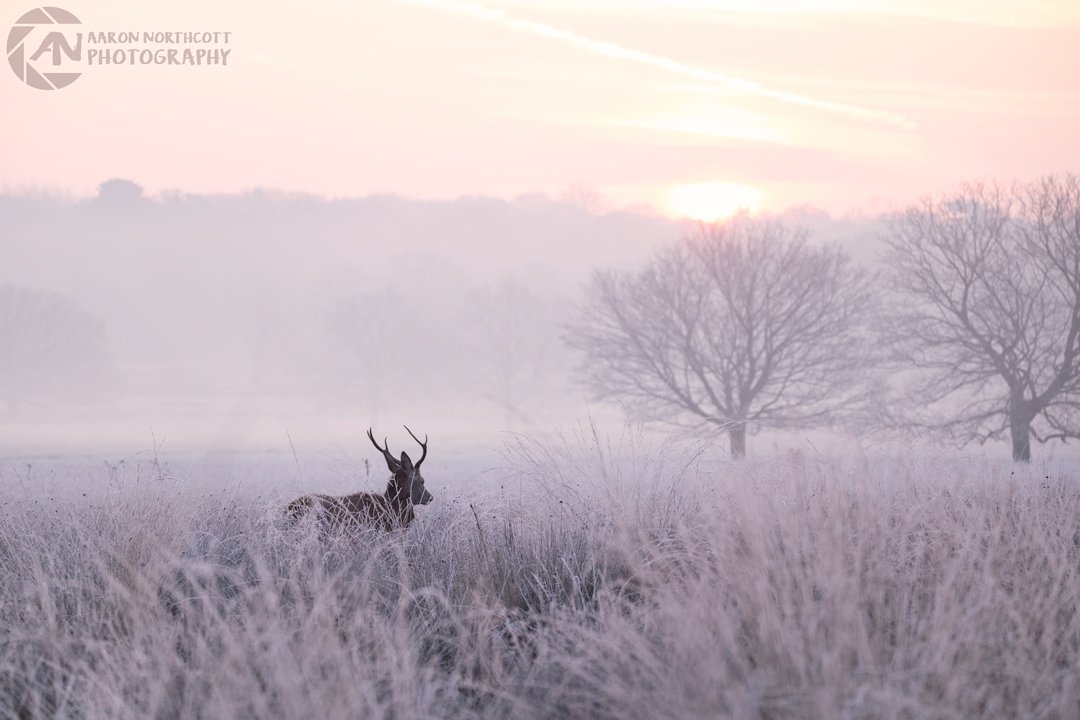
{"x":599,"y":582}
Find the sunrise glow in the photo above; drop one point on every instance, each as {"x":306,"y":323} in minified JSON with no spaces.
{"x":712,"y":201}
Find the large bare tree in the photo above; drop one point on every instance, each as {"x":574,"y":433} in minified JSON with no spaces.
{"x":743,"y":325}
{"x":986,"y":312}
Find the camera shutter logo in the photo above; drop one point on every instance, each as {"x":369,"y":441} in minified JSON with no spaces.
{"x":37,"y":48}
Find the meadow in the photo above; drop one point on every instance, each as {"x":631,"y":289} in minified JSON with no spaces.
{"x":581,"y":578}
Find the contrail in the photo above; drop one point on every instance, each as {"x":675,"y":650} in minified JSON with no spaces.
{"x":612,"y":50}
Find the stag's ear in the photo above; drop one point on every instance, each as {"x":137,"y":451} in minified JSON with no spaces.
{"x":406,"y":462}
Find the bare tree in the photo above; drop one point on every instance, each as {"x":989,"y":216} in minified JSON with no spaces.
{"x":745,"y":325}
{"x":987,"y":312}
{"x":514,"y":346}
{"x":375,"y":352}
{"x":50,"y":350}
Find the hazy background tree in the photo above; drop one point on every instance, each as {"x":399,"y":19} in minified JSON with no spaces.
{"x":745,"y":325}
{"x":987,"y":312}
{"x":515,"y":352}
{"x":50,"y":350}
{"x":120,"y":193}
{"x":376,"y":357}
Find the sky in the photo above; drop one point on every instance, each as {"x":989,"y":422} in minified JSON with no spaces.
{"x":688,"y":108}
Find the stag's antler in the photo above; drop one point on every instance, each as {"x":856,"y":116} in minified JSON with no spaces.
{"x":385,"y":450}
{"x":423,"y":445}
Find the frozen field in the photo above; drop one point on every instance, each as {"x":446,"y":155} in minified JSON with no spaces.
{"x":565,"y":579}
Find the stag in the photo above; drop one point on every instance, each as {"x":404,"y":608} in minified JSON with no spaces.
{"x":393,"y":509}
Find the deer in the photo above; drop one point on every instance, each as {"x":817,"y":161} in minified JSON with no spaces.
{"x":390,"y":511}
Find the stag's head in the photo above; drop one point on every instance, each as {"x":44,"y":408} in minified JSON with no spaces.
{"x":407,"y":477}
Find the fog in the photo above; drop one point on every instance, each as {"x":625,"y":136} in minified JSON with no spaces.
{"x":239,"y":322}
{"x":232,"y":320}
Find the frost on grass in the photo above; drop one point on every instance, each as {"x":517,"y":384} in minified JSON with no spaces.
{"x":608,"y":582}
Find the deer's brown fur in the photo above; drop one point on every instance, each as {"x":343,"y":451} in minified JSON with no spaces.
{"x":391,"y":510}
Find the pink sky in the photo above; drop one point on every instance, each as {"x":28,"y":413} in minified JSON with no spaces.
{"x":686,"y":106}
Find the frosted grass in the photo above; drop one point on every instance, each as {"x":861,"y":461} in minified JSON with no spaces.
{"x":586,"y":579}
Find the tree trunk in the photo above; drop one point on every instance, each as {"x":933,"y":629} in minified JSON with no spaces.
{"x":737,"y":438}
{"x":1020,"y":430}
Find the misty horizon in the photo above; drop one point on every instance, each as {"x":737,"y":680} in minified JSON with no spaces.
{"x":191,"y":352}
{"x":231,"y":325}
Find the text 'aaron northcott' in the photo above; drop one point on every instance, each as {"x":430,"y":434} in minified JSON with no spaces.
{"x":158,"y":55}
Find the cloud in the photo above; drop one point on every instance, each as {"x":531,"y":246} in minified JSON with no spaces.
{"x":670,"y":65}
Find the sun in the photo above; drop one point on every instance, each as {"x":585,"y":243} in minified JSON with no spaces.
{"x":712,"y":201}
